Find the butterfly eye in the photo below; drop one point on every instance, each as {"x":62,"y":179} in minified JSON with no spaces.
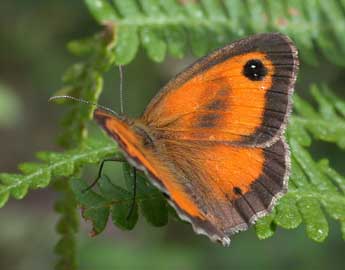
{"x":254,"y":70}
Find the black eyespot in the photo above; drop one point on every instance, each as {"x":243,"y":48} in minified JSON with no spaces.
{"x":254,"y":70}
{"x":237,"y":191}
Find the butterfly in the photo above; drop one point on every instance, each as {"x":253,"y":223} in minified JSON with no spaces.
{"x":212,"y":140}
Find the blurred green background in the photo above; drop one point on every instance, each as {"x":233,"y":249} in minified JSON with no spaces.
{"x":33,"y":37}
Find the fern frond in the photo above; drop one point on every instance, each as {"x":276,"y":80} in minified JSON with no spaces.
{"x":115,"y":201}
{"x":67,"y":227}
{"x":162,"y":26}
{"x":314,"y":188}
{"x":85,"y":80}
{"x":39,"y":175}
{"x":318,"y":123}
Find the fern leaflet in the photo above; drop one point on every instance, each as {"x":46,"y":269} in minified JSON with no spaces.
{"x":163,"y":26}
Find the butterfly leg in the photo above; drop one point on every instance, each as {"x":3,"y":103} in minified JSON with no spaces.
{"x":131,"y":209}
{"x":94,"y":182}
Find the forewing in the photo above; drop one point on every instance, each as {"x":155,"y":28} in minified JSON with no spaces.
{"x":239,"y":94}
{"x":150,"y":157}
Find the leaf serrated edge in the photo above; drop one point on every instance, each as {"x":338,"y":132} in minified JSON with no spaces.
{"x":76,"y":157}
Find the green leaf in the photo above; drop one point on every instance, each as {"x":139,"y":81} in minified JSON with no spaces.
{"x":128,"y":8}
{"x":43,"y":176}
{"x":128,"y":174}
{"x":155,"y":210}
{"x":117,"y":201}
{"x":127,"y":44}
{"x":151,"y":7}
{"x":297,"y":176}
{"x":278,"y":15}
{"x":213,"y":9}
{"x":316,"y":223}
{"x":326,"y":108}
{"x":299,"y":133}
{"x":82,"y":47}
{"x":258,"y":18}
{"x":308,"y":165}
{"x":84,"y":80}
{"x":312,"y":10}
{"x":14,"y":184}
{"x":152,"y":203}
{"x":101,"y":10}
{"x":338,"y":103}
{"x":3,"y":197}
{"x":176,"y":39}
{"x":61,"y":169}
{"x":121,"y":203}
{"x":154,"y":44}
{"x":287,"y":213}
{"x":317,"y":123}
{"x":119,"y":215}
{"x":304,"y":39}
{"x":95,"y":207}
{"x":304,"y":108}
{"x":37,"y":175}
{"x":209,"y":24}
{"x":236,"y":11}
{"x":197,"y":37}
{"x":265,"y":227}
{"x":332,"y":174}
{"x":335,"y":17}
{"x":172,"y":8}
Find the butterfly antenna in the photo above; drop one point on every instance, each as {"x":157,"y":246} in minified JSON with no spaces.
{"x":121,"y":89}
{"x":84,"y":102}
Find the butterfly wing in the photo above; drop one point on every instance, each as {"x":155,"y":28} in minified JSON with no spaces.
{"x":239,"y":94}
{"x":232,"y":186}
{"x":219,"y":188}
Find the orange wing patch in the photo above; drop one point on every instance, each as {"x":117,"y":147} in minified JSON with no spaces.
{"x":227,"y":174}
{"x":220,"y":104}
{"x":225,"y":171}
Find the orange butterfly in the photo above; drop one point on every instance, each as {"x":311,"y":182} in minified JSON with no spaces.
{"x":212,"y":139}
